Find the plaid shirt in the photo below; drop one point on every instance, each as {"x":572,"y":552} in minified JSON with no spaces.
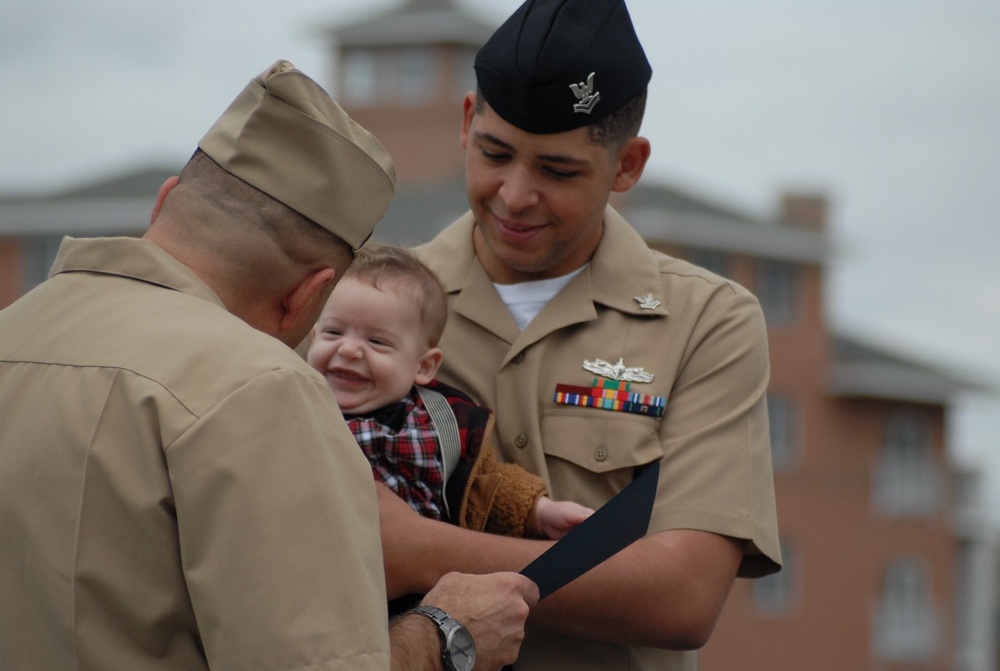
{"x":401,"y":444}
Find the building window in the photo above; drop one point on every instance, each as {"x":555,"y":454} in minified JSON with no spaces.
{"x":907,"y":482}
{"x":463,"y":74}
{"x":783,"y":423}
{"x":406,"y":76}
{"x":777,"y":291}
{"x":777,"y":593}
{"x":419,"y":70}
{"x":906,"y":628}
{"x":714,"y":262}
{"x":360,"y":78}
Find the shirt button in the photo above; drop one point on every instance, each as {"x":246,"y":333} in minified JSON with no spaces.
{"x":521,"y":441}
{"x":518,"y":358}
{"x":601,"y":453}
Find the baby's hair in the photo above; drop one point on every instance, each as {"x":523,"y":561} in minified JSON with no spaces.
{"x":377,"y":263}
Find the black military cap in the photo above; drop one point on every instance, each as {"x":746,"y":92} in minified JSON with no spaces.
{"x":556,"y":65}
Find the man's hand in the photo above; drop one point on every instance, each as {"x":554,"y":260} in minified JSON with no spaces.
{"x":493,"y":607}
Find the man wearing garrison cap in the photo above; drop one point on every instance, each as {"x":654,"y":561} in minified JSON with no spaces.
{"x":177,"y":487}
{"x":599,"y":355}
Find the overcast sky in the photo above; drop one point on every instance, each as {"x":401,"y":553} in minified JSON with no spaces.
{"x":890,"y":108}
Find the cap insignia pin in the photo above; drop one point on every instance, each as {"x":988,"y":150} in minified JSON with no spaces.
{"x":618,"y":371}
{"x":647,"y":302}
{"x":584,"y":92}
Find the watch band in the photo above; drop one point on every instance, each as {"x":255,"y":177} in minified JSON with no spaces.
{"x":458,"y":650}
{"x":439,"y":617}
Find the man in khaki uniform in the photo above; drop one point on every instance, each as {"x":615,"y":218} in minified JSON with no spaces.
{"x":598,"y":354}
{"x":177,"y":487}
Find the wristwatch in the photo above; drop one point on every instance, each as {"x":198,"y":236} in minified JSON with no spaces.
{"x":458,"y":651}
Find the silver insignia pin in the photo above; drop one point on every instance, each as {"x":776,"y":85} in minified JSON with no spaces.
{"x":647,"y":302}
{"x":584,"y":92}
{"x":618,"y":371}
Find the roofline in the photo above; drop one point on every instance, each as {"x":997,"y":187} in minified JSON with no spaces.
{"x":879,"y":374}
{"x":717,"y":232}
{"x":408,"y":26}
{"x":78,"y":216}
{"x":889,"y":382}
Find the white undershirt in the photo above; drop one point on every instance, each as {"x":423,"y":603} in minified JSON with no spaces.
{"x":526,"y":299}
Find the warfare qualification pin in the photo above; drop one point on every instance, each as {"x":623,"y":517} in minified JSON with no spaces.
{"x":618,"y":371}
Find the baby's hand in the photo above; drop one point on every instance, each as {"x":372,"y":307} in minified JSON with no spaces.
{"x":555,"y":519}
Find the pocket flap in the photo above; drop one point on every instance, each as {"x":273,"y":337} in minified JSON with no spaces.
{"x":600,"y":440}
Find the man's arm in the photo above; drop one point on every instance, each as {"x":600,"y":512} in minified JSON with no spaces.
{"x":414,"y":644}
{"x":666,"y":590}
{"x":493,"y":608}
{"x":623,"y":600}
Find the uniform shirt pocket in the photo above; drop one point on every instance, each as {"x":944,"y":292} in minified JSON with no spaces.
{"x":592,"y":454}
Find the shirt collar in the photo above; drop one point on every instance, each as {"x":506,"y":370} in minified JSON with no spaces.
{"x":622,"y":273}
{"x":133,"y":258}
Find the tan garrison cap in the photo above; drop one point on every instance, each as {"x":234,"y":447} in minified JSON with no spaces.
{"x":287,"y":137}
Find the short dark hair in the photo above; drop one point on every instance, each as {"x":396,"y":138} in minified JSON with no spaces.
{"x":301,"y":239}
{"x":620,"y":126}
{"x":614,"y":130}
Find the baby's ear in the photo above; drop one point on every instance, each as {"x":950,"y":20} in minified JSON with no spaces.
{"x":428,"y":365}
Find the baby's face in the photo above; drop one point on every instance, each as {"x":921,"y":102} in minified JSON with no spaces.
{"x":370,"y":345}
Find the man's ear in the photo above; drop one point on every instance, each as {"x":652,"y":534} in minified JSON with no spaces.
{"x":468,"y":112}
{"x":302,"y":305}
{"x":428,"y":365}
{"x":161,"y":196}
{"x":631,"y":162}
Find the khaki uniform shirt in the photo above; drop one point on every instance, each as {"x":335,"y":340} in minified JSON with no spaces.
{"x":177,"y":489}
{"x":705,"y":343}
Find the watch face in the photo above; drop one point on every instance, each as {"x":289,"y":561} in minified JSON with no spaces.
{"x":461,"y":649}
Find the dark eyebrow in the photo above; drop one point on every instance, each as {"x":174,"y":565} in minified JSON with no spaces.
{"x":549,"y":158}
{"x":564,"y":160}
{"x":493,"y":139}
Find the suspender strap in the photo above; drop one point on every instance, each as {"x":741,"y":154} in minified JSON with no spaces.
{"x":447,"y":427}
